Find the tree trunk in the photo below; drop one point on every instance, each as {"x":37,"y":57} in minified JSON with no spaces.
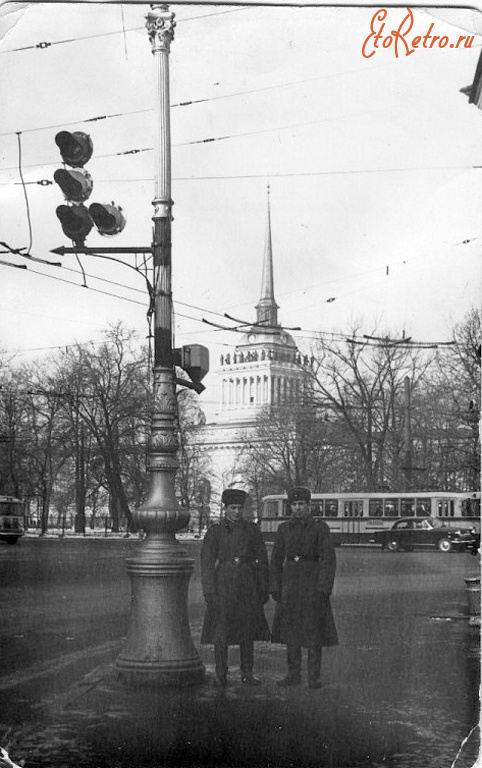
{"x":44,"y":515}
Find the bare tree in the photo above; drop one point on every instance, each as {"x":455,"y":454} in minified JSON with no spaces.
{"x":193,"y":476}
{"x":47,"y":441}
{"x":455,"y":389}
{"x":362,"y":384}
{"x":106,"y":389}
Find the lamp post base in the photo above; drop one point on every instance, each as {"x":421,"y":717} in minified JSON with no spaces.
{"x":159,"y":649}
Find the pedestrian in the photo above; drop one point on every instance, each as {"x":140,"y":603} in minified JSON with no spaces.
{"x":235,"y":580}
{"x":302,"y":572}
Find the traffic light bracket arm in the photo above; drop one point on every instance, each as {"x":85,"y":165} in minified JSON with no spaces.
{"x":103,"y":254}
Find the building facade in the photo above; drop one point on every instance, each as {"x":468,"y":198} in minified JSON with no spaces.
{"x":264,"y":370}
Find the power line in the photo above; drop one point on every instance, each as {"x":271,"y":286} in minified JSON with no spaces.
{"x":191,"y":102}
{"x":44,"y":45}
{"x":209,"y":140}
{"x":114,"y":295}
{"x":268,"y":174}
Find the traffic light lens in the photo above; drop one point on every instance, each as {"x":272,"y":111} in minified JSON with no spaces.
{"x":76,"y":148}
{"x":107,"y":218}
{"x":75,"y":220}
{"x":76,"y":185}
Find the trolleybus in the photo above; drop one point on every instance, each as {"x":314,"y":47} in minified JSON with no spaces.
{"x":353,"y":518}
{"x":12,"y":519}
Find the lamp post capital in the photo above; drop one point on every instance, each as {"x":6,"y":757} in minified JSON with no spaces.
{"x":160,"y":27}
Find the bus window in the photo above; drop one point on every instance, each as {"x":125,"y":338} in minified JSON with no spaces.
{"x":445,"y":508}
{"x":390,"y":508}
{"x":375,"y":508}
{"x":423,"y":507}
{"x":271,"y":508}
{"x":407,"y":507}
{"x":353,"y":508}
{"x":317,"y":508}
{"x":331,"y":509}
{"x":286,"y":508}
{"x":471,"y":508}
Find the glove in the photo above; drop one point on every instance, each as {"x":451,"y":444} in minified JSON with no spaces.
{"x":276,"y":596}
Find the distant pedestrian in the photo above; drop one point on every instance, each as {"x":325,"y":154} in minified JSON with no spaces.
{"x":302,"y":572}
{"x":234,"y":570}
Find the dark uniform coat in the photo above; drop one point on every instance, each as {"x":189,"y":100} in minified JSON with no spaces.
{"x":302,"y":572}
{"x":235,"y":579}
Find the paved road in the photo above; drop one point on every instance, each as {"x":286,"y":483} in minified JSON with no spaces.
{"x":400,"y":690}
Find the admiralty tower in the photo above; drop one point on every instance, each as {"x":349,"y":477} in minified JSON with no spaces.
{"x":264,"y":369}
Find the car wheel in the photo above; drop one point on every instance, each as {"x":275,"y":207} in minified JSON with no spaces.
{"x":393,"y":545}
{"x":444,"y":545}
{"x":11,"y":540}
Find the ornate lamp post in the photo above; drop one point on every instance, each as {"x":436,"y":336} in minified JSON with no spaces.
{"x":159,"y":649}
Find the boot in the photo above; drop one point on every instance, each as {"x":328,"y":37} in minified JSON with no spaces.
{"x":314,"y":666}
{"x":293,"y":658}
{"x":221,"y":664}
{"x":246,"y":656}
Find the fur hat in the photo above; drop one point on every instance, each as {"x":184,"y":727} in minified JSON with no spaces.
{"x":233,"y":496}
{"x":299,"y":494}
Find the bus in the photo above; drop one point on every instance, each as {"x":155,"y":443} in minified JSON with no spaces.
{"x":12,"y":519}
{"x":353,"y":518}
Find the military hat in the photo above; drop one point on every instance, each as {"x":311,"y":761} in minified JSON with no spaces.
{"x":234,"y":496}
{"x":299,"y":494}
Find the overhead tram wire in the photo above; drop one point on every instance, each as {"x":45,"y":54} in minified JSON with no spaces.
{"x":45,"y":45}
{"x":364,"y":340}
{"x":191,"y":102}
{"x":208,"y":140}
{"x":234,"y":176}
{"x":303,"y":333}
{"x":112,"y":295}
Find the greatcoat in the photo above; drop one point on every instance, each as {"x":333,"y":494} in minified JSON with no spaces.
{"x":235,"y":580}
{"x":302,"y":572}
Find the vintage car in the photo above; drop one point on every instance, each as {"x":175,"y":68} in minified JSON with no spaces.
{"x":411,"y":533}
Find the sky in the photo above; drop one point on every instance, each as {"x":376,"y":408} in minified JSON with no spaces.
{"x":373,"y":165}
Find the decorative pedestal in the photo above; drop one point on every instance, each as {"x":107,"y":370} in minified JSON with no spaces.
{"x":159,"y":649}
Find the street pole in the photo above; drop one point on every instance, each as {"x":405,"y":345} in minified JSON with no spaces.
{"x":159,"y":649}
{"x":407,"y":434}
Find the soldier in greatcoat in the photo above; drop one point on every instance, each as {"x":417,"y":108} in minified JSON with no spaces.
{"x":302,"y":572}
{"x":235,"y":580}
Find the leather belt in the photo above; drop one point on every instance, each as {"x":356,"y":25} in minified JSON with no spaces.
{"x":239,"y":560}
{"x":301,"y":559}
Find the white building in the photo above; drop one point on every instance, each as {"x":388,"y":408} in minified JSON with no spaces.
{"x":264,"y":369}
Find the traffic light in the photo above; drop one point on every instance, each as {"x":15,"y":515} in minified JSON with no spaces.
{"x":76,"y":148}
{"x":76,"y":220}
{"x":76,"y":185}
{"x":108,"y":219}
{"x":194,"y":359}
